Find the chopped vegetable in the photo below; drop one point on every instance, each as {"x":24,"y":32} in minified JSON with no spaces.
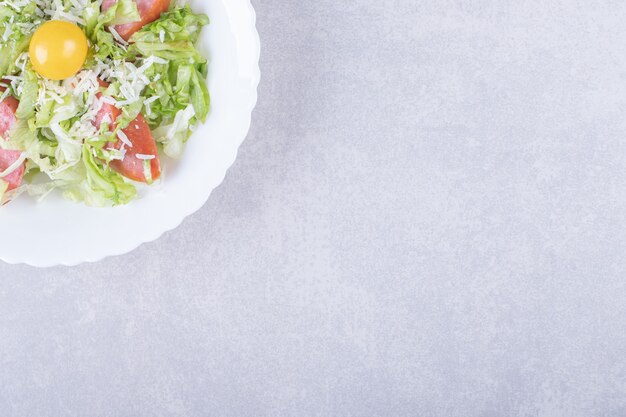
{"x":93,"y":135}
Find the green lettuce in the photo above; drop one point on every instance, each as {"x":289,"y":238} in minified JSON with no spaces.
{"x":18,"y":40}
{"x":30,"y":87}
{"x":183,"y":78}
{"x":104,"y":182}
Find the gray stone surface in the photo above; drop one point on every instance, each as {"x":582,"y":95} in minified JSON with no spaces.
{"x":427,"y":219}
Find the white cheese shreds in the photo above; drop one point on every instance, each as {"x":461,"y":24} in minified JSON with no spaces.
{"x":71,"y":18}
{"x":117,"y":36}
{"x":122,"y":136}
{"x":151,"y":99}
{"x":14,"y":166}
{"x":5,"y":94}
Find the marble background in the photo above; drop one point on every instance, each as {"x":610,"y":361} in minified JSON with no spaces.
{"x":427,"y":219}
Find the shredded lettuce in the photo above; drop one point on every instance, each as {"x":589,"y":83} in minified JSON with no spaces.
{"x":182,"y":80}
{"x":17,"y":23}
{"x":30,"y":91}
{"x":104,"y":182}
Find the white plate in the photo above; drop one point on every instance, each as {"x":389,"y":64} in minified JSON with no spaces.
{"x":57,"y":232}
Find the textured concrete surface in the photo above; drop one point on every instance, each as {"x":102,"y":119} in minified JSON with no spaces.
{"x":428,"y":219}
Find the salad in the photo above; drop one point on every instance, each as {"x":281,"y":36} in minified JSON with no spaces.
{"x":93,"y":93}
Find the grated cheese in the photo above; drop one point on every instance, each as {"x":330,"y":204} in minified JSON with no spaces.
{"x":122,"y":136}
{"x":14,"y":166}
{"x":117,"y":36}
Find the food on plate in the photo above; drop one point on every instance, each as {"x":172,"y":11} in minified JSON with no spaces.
{"x":93,"y":93}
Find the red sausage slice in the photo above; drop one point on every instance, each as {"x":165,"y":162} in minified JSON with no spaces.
{"x":132,"y":167}
{"x":8,"y":107}
{"x":149,"y":10}
{"x":107,"y":110}
{"x":8,"y":158}
{"x":139,"y":135}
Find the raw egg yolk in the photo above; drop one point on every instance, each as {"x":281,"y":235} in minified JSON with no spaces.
{"x":58,"y":50}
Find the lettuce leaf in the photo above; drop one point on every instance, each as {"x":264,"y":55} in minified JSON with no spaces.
{"x":104,"y":184}
{"x":30,"y":91}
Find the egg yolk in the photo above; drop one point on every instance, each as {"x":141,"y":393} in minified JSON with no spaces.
{"x":58,"y":50}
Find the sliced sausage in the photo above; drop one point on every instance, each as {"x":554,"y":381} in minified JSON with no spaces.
{"x":143,"y":145}
{"x":8,"y":158}
{"x":8,"y":107}
{"x":132,"y":166}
